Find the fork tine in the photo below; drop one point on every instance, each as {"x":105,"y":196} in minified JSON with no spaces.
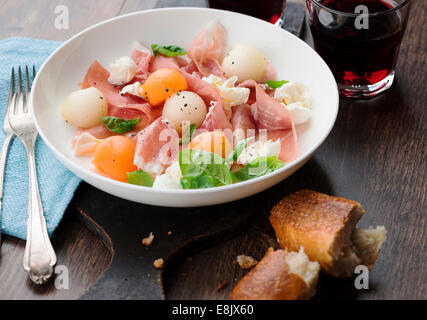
{"x":18,"y":86}
{"x":27,"y":81}
{"x":19,"y":99}
{"x":12,"y":85}
{"x":12,"y":109}
{"x":27,"y":89}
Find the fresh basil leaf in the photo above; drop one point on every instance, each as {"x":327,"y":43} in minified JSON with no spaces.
{"x":258,"y":168}
{"x":237,"y":150}
{"x":201,"y":169}
{"x":186,"y":139}
{"x":170,"y":51}
{"x":276,"y":84}
{"x":140,"y":178}
{"x":119,"y":125}
{"x":200,"y":182}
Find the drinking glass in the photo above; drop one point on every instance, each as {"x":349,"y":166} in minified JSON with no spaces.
{"x":360,"y":41}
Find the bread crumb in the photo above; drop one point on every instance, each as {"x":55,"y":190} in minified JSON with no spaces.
{"x":221,"y":285}
{"x":246,"y":262}
{"x":158,"y":264}
{"x":147,"y":241}
{"x":170,"y":232}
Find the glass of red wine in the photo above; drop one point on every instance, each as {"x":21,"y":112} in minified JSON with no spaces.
{"x":268,"y":10}
{"x":360,"y":41}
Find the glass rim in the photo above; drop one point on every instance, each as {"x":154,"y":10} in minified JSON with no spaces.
{"x":348,"y":14}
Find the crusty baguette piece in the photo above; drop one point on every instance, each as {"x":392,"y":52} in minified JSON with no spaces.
{"x":280,"y":275}
{"x":325,"y":226}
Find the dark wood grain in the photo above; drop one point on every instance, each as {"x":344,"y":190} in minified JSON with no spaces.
{"x":76,"y":247}
{"x":80,"y":250}
{"x":36,"y":19}
{"x":376,"y":154}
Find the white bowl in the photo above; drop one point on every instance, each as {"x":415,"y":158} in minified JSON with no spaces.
{"x":292,"y":58}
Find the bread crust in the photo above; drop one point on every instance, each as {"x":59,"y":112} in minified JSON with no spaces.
{"x":271,"y":279}
{"x":320,"y":223}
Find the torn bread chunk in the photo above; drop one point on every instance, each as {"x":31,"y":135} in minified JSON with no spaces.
{"x":280,"y":275}
{"x":325,"y":227}
{"x":158,"y":263}
{"x":149,"y":240}
{"x":246,"y":262}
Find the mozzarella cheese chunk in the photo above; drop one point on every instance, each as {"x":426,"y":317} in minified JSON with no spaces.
{"x":259,"y":149}
{"x":295,"y":97}
{"x":164,"y":181}
{"x":133,"y":89}
{"x":122,"y":71}
{"x":231,"y":95}
{"x":171,"y":179}
{"x":174,"y":171}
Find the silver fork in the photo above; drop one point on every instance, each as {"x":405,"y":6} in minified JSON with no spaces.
{"x":39,"y":256}
{"x":7,"y":140}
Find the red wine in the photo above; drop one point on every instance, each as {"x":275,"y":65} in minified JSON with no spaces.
{"x":358,"y":56}
{"x":269,"y":10}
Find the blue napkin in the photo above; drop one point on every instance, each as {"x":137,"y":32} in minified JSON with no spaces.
{"x":56,"y":183}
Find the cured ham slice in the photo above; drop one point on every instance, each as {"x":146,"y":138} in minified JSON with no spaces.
{"x":192,"y":69}
{"x":243,"y":122}
{"x":270,"y":72}
{"x":145,"y":111}
{"x":97,"y":76}
{"x":268,"y":113}
{"x":118,"y":105}
{"x":85,"y":144}
{"x":99,"y":132}
{"x":143,"y":59}
{"x":216,"y":119}
{"x":162,"y":62}
{"x":288,"y":143}
{"x":207,"y":49}
{"x":157,"y":147}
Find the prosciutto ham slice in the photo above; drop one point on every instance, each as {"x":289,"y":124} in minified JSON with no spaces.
{"x":157,"y":147}
{"x":97,"y":76}
{"x":192,"y":69}
{"x":99,"y":132}
{"x":243,"y":122}
{"x":207,"y":49}
{"x":143,"y":59}
{"x":216,"y":119}
{"x":84,"y":145}
{"x":122,"y":106}
{"x":270,"y":72}
{"x":269,"y":114}
{"x":161,"y":62}
{"x":288,"y":143}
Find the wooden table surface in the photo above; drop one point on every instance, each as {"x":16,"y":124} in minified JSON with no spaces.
{"x":376,"y":154}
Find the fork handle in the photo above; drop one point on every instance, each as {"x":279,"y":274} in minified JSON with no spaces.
{"x":3,"y":157}
{"x":39,"y":257}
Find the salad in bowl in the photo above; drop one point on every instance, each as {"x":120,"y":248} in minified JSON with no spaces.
{"x":168,"y":117}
